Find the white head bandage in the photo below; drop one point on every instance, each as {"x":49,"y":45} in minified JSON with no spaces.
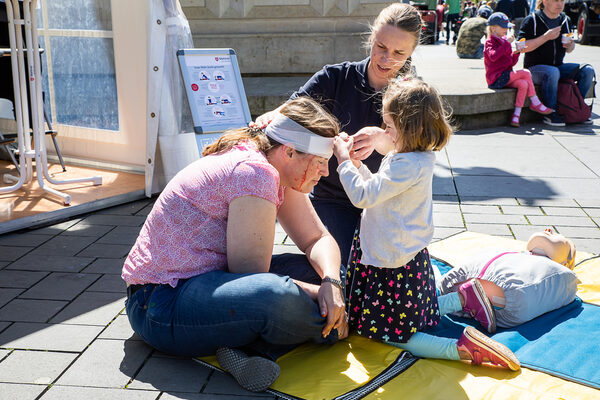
{"x":292,"y":134}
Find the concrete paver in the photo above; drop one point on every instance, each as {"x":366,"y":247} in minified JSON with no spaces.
{"x":221,"y":383}
{"x":579,"y":233}
{"x":63,"y":246}
{"x":51,"y":337}
{"x":4,"y":353}
{"x":70,"y":286}
{"x":115,"y":220}
{"x":522,"y":210}
{"x":6,"y":295}
{"x":190,"y":378}
{"x":58,"y":392}
{"x":443,"y":232}
{"x":107,"y":363}
{"x":91,"y":308}
{"x":448,"y":220}
{"x":119,"y":328}
{"x":105,"y":266}
{"x":35,"y":367}
{"x":20,"y":279}
{"x":592,"y":212}
{"x":27,"y":310}
{"x":523,"y":232}
{"x":10,"y":253}
{"x":106,"y":250}
{"x":21,"y":391}
{"x":562,"y":220}
{"x":121,"y":235}
{"x":477,"y":209}
{"x":445,"y":207}
{"x":56,"y":228}
{"x":109,"y":283}
{"x":86,"y":229}
{"x":23,"y":239}
{"x":495,"y":219}
{"x":133,"y":208}
{"x":565,"y":211}
{"x":488,"y":200}
{"x":490,"y":229}
{"x":32,"y":262}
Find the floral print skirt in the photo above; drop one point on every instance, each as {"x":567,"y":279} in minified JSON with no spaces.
{"x":390,"y":304}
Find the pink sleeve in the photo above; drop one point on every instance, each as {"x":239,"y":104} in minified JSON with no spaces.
{"x":254,"y":179}
{"x":489,"y":52}
{"x":515,"y":58}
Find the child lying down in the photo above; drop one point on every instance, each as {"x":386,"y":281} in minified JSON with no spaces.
{"x":521,"y":285}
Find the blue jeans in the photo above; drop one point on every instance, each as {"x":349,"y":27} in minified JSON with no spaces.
{"x":341,"y":221}
{"x":424,"y":345}
{"x":265,"y":313}
{"x":548,"y":76}
{"x":478,"y":53}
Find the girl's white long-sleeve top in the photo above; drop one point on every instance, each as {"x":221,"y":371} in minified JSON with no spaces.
{"x":397,"y":220}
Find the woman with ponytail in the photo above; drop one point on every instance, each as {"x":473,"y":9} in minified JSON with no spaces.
{"x":201,"y":278}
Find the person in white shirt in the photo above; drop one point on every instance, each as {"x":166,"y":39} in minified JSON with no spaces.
{"x":390,"y":287}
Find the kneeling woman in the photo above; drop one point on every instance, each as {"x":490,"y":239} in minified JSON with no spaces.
{"x":197,"y":278}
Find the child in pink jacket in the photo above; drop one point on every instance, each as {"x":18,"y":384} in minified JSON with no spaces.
{"x":499,"y":59}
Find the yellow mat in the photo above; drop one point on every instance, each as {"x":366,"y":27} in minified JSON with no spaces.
{"x":341,"y":370}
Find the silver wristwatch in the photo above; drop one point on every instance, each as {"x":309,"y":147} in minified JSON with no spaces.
{"x":336,"y":282}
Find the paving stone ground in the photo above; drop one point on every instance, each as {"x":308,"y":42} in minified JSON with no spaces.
{"x":63,"y":332}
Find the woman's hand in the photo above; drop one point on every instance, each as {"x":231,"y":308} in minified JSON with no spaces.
{"x":569,"y":46}
{"x":331,"y":304}
{"x":343,"y":330}
{"x":552,"y":34}
{"x":365,"y":141}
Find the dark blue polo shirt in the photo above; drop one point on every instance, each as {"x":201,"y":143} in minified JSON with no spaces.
{"x":343,"y":89}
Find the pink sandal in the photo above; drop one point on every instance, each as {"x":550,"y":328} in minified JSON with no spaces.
{"x":540,"y":108}
{"x":515,"y":120}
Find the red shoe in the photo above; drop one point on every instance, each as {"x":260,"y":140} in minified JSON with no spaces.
{"x":514,"y":121}
{"x":478,"y":304}
{"x":540,"y":108}
{"x":479,"y":349}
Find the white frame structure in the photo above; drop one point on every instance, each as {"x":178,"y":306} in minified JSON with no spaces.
{"x":29,"y":22}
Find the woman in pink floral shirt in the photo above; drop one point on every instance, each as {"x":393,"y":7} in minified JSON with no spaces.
{"x":201,"y":276}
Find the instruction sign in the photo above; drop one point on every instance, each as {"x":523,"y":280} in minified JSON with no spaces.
{"x":214,"y":89}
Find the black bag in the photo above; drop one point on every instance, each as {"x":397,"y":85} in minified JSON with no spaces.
{"x":570,"y":102}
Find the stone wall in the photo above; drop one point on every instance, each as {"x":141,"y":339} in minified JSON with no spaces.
{"x":283,"y":36}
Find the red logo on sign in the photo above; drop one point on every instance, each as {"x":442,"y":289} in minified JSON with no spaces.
{"x":194,"y":87}
{"x":216,"y":58}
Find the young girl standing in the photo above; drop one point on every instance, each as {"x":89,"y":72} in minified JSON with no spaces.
{"x":390,"y":286}
{"x":499,"y":60}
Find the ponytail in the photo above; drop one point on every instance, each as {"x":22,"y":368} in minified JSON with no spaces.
{"x":233,"y":137}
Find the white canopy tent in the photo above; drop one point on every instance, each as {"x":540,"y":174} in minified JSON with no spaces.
{"x":140,"y":38}
{"x":114,"y":92}
{"x":167,"y":105}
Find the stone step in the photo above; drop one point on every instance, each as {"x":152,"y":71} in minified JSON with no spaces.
{"x":483,"y":109}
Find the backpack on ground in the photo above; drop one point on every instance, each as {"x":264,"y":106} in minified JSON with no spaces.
{"x":570,"y":102}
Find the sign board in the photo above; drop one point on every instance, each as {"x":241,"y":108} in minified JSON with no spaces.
{"x":215,"y":92}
